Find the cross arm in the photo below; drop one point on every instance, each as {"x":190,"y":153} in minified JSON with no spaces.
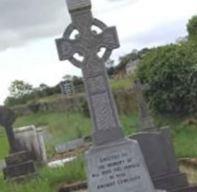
{"x":110,"y":39}
{"x":66,"y":50}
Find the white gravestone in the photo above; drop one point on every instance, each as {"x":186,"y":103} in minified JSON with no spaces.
{"x":32,"y":140}
{"x":67,"y":88}
{"x":114,"y":164}
{"x":71,"y":145}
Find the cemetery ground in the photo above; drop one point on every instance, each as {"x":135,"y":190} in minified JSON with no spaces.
{"x":67,"y":126}
{"x":64,"y":126}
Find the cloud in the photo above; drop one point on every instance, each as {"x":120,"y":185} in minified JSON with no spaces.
{"x":22,"y":20}
{"x":161,"y":34}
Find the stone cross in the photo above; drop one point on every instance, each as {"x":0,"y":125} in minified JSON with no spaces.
{"x":146,"y":121}
{"x":7,"y":118}
{"x":88,"y":43}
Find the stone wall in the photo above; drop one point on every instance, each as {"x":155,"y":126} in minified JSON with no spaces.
{"x":125,"y":100}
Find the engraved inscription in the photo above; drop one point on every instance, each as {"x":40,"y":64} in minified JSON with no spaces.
{"x":118,"y":168}
{"x":103,"y":111}
{"x":114,"y":167}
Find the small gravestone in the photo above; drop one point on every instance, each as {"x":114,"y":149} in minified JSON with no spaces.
{"x":156,"y":145}
{"x":18,"y":164}
{"x":67,"y":88}
{"x":114,"y":164}
{"x":71,"y":145}
{"x":32,"y":140}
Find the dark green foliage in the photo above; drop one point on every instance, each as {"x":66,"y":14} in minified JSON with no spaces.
{"x":123,"y":61}
{"x":171,"y":72}
{"x":192,"y":28}
{"x":29,"y":96}
{"x":20,"y":88}
{"x":85,"y":109}
{"x":22,"y":93}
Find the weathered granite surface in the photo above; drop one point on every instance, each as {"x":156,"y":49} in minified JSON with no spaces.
{"x":32,"y":140}
{"x":118,"y":167}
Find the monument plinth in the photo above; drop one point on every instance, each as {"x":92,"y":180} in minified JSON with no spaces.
{"x":114,"y":163}
{"x":157,"y":147}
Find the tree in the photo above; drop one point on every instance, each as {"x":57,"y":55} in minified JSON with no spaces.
{"x":67,"y":78}
{"x":192,"y":28}
{"x":20,"y":88}
{"x":42,"y":87}
{"x":171,"y":72}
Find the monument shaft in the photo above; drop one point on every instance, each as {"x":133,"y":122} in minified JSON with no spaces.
{"x":87,"y":44}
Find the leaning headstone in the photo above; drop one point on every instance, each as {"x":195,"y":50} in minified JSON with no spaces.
{"x":114,"y":163}
{"x":156,"y":145}
{"x":32,"y":140}
{"x":18,"y":164}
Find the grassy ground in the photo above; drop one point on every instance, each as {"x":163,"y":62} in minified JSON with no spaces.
{"x":3,"y":144}
{"x":184,"y":135}
{"x":66,"y":126}
{"x":124,"y":83}
{"x":48,"y":180}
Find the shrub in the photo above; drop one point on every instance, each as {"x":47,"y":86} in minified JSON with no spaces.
{"x":171,"y":72}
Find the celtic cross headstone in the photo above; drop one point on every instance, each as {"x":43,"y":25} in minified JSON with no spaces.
{"x":114,"y":163}
{"x":88,"y":43}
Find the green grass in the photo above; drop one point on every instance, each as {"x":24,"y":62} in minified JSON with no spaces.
{"x":124,"y":83}
{"x":184,"y":135}
{"x":185,"y":140}
{"x":61,"y":126}
{"x":48,"y":179}
{"x":67,"y":126}
{"x":3,"y":144}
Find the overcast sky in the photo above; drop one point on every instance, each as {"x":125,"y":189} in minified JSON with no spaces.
{"x":28,"y":30}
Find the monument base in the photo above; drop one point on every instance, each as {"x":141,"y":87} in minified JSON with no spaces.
{"x":171,"y":182}
{"x":160,"y":159}
{"x":116,"y":167}
{"x":18,"y":166}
